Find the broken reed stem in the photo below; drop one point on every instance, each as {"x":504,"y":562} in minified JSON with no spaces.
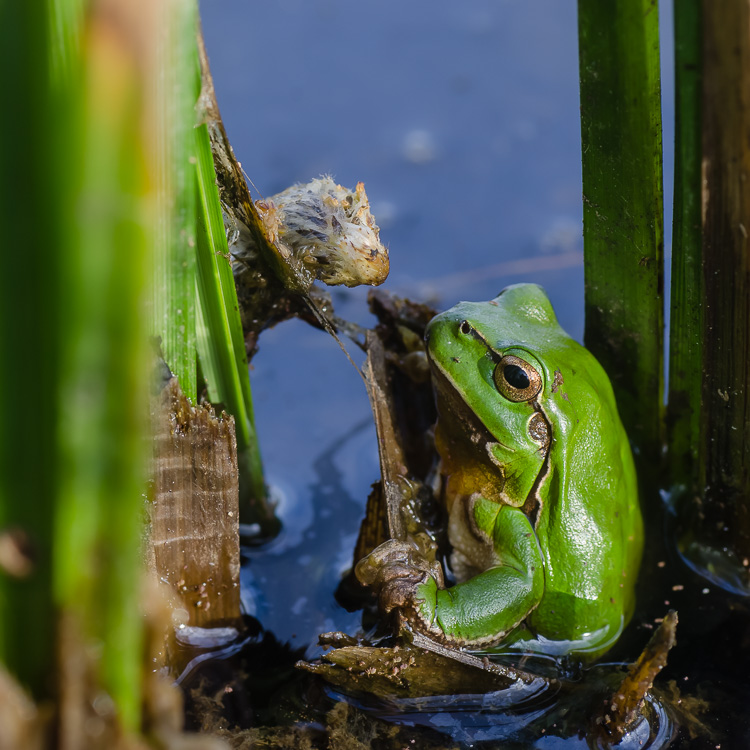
{"x":711,"y":397}
{"x":194,"y":512}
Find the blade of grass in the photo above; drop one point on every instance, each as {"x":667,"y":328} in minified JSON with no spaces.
{"x":65,"y":20}
{"x":31,"y":217}
{"x":622,"y":207}
{"x":220,"y":340}
{"x":174,"y":285}
{"x":103,"y":387}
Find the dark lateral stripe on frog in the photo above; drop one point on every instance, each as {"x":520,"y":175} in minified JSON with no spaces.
{"x":474,"y":333}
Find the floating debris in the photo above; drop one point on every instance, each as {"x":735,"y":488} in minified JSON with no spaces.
{"x":622,"y":709}
{"x":405,"y":671}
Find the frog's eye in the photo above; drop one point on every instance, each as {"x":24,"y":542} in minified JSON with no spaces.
{"x":516,"y":379}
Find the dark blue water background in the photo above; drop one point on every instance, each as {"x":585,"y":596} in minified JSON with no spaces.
{"x":462,"y":119}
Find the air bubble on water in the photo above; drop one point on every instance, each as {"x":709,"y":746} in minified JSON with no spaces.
{"x":419,"y":147}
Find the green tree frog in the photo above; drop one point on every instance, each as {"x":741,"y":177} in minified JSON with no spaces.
{"x":539,"y":484}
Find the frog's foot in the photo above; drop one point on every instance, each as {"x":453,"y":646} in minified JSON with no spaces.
{"x":395,"y":570}
{"x":400,"y":587}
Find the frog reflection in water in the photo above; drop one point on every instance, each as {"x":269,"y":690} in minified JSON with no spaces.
{"x":540,"y":489}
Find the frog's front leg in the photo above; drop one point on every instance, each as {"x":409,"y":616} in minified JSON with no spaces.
{"x":479,"y":611}
{"x":395,"y":570}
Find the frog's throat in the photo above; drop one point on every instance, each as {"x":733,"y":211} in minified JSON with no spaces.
{"x":455,"y":416}
{"x":531,"y":505}
{"x":487,"y":464}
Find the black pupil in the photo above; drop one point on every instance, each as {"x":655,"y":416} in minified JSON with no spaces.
{"x":515,"y":376}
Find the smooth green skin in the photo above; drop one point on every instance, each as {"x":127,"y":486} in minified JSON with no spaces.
{"x":562,"y":525}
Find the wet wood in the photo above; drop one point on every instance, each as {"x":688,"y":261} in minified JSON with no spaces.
{"x":623,"y":708}
{"x":725,"y":415}
{"x":393,"y":470}
{"x":194,"y":521}
{"x":406,"y":671}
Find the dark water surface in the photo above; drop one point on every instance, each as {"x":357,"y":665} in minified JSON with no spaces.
{"x":462,"y":119}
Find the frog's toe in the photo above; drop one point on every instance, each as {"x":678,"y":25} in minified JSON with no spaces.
{"x":393,"y":552}
{"x":396,"y":571}
{"x":400,"y":590}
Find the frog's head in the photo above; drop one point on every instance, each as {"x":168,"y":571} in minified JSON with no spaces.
{"x":508,"y":365}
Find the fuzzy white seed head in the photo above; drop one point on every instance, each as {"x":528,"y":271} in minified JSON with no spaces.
{"x":330,"y":229}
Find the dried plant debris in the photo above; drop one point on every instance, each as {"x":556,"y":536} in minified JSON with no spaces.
{"x":400,"y":389}
{"x":330,"y":229}
{"x":402,"y":402}
{"x":317,"y":231}
{"x":344,"y":727}
{"x":397,"y":314}
{"x":373,"y":530}
{"x":405,"y":376}
{"x":393,"y":470}
{"x":16,"y":553}
{"x":406,"y":671}
{"x":622,"y":709}
{"x":280,"y":246}
{"x":22,"y":724}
